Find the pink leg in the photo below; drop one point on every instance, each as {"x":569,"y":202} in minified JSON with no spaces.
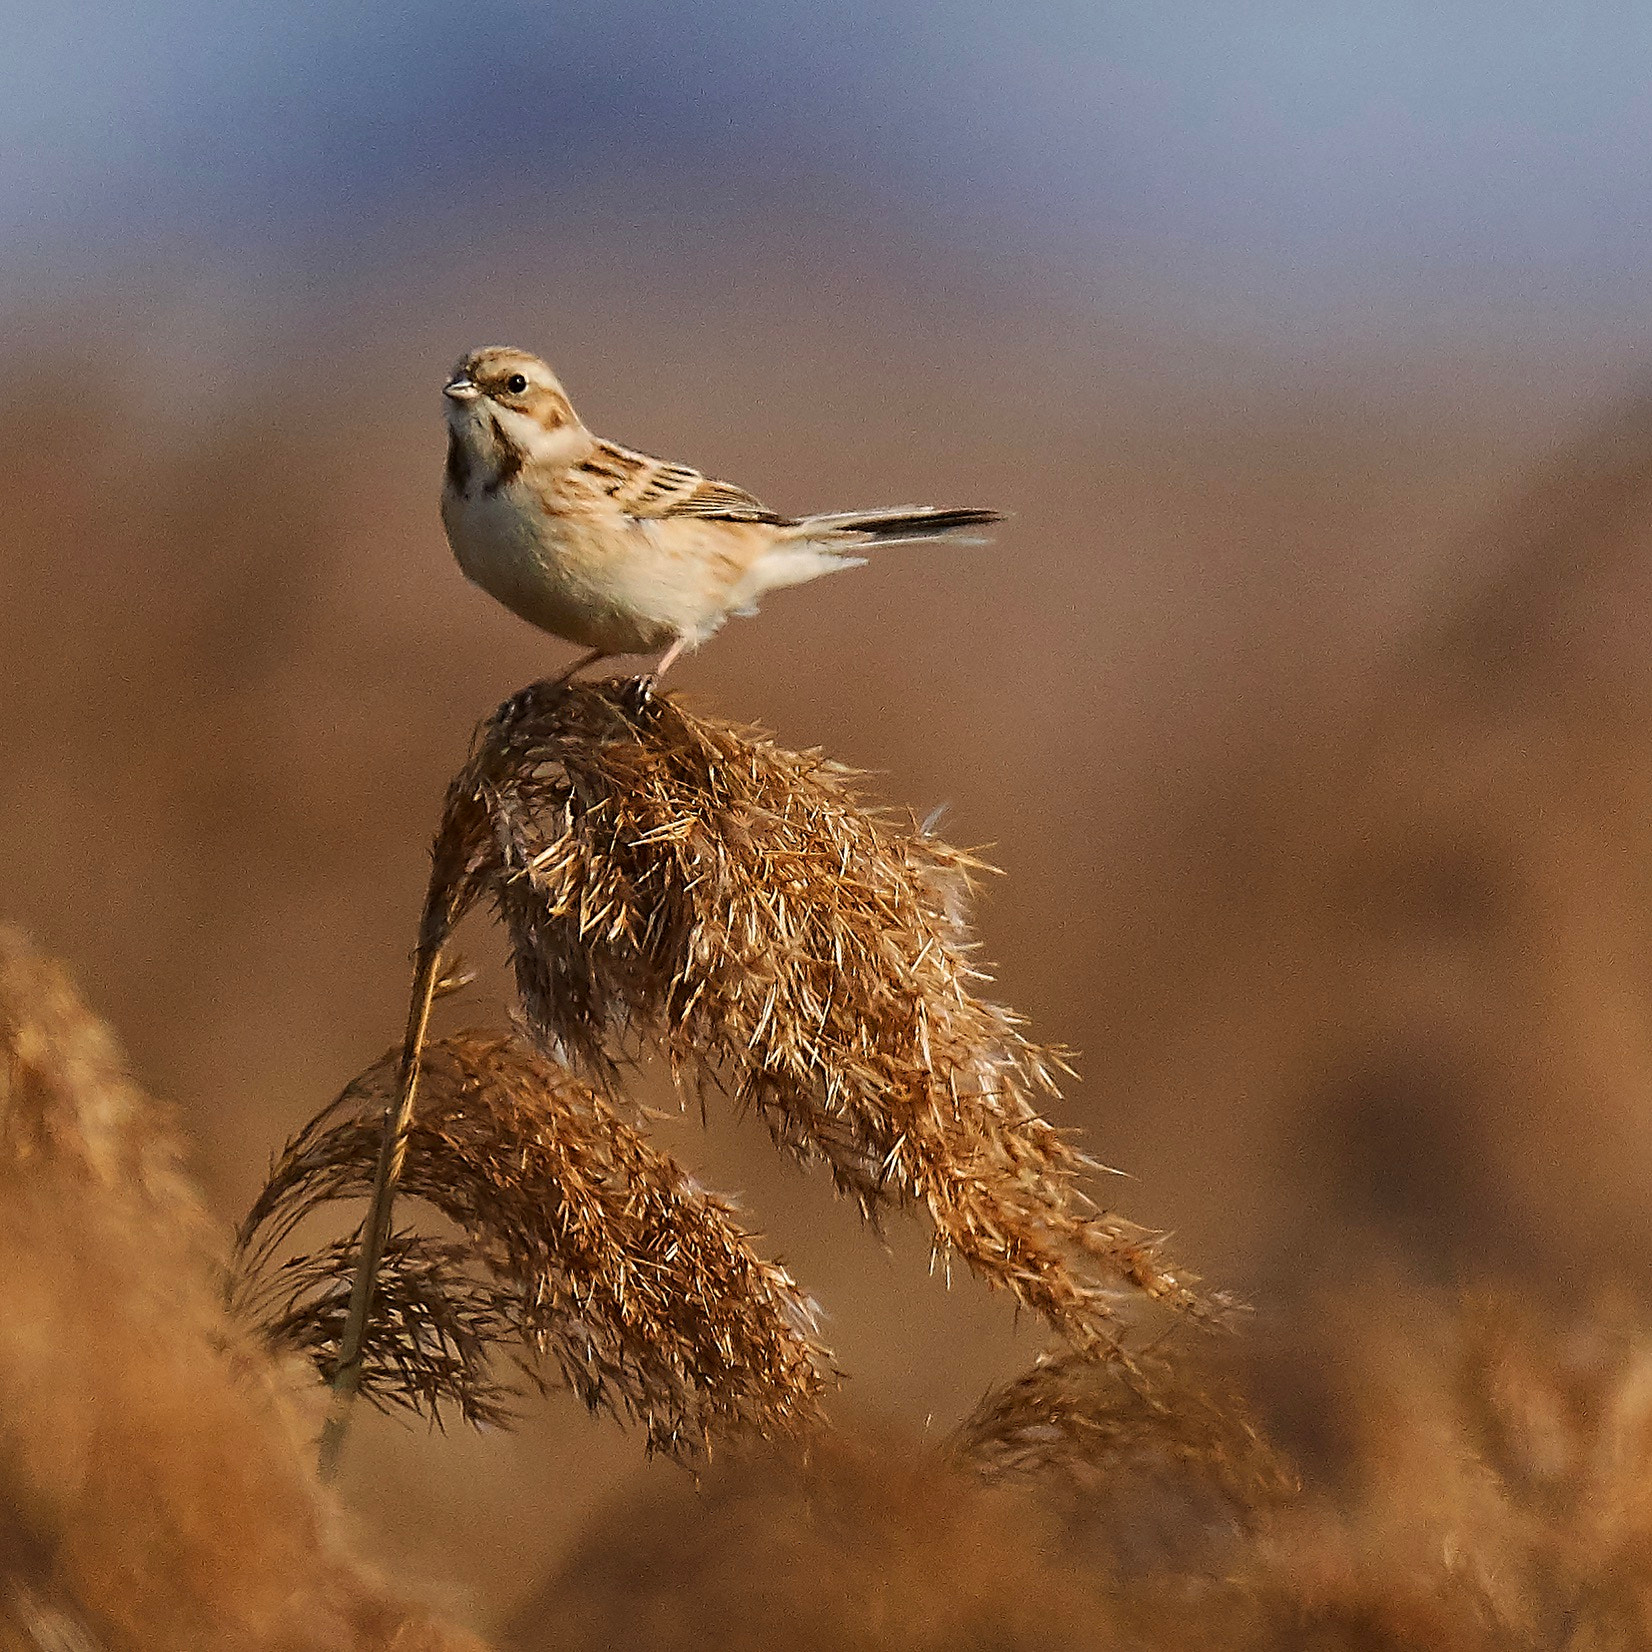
{"x":667,"y":658}
{"x":579,"y":665}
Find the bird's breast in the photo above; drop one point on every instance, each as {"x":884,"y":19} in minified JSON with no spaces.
{"x":573,"y":577}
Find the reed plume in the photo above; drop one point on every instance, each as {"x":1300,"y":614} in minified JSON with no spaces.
{"x":863,"y":1543}
{"x":675,"y":885}
{"x":1498,"y":1458}
{"x":1481,"y":1486}
{"x":154,"y":1487}
{"x":1152,"y":1463}
{"x":583,"y":1246}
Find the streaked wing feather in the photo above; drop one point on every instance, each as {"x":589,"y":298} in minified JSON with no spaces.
{"x":644,"y":486}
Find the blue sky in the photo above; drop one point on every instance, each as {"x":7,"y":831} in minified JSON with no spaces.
{"x":1281,"y":151}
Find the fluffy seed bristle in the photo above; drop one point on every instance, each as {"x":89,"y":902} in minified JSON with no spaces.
{"x":584,"y":1247}
{"x":1154,"y":1462}
{"x":155,"y":1487}
{"x":673,"y":882}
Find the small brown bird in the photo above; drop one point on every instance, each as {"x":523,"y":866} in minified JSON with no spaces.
{"x":617,"y":551}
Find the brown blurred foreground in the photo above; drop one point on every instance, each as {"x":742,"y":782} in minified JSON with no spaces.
{"x":155,"y":1489}
{"x":1492,"y":1479}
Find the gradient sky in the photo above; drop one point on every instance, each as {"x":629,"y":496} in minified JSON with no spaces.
{"x":1284,"y":153}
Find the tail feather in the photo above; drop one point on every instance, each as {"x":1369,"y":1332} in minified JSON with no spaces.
{"x":902,"y":525}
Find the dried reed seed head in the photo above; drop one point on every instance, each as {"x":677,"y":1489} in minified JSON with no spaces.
{"x":1083,"y":1421}
{"x":1495,"y":1502}
{"x":432,"y":1339}
{"x":584,"y":1246}
{"x":1154,"y":1465}
{"x":675,"y":882}
{"x":156,"y":1487}
{"x":1562,"y":1413}
{"x":864,"y":1543}
{"x":68,"y":1104}
{"x":1484,"y":1475}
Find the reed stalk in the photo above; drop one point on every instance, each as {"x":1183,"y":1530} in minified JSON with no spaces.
{"x":398,"y":1118}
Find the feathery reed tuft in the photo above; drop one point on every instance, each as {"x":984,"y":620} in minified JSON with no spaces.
{"x":583,"y":1246}
{"x":155,"y":1484}
{"x":1151,"y":1465}
{"x":864,"y":1542}
{"x":677,"y":883}
{"x":432,"y":1337}
{"x":1077,"y":1420}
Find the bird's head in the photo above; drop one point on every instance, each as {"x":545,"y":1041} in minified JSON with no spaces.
{"x":500,"y":395}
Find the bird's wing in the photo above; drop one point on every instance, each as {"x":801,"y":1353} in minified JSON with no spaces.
{"x":644,"y":486}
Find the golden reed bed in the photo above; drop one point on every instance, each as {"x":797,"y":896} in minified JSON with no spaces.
{"x":675,"y":888}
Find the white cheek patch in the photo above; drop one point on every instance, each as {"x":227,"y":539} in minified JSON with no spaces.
{"x":557,"y":446}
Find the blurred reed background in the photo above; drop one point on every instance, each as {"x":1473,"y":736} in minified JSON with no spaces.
{"x":1302,"y":700}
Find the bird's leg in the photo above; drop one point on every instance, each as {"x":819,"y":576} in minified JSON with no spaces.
{"x":667,"y":658}
{"x":645,"y":684}
{"x":578,"y":666}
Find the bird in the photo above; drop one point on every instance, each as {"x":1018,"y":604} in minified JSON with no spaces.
{"x":617,"y":551}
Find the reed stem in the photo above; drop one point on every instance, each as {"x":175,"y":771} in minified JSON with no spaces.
{"x":398,"y":1118}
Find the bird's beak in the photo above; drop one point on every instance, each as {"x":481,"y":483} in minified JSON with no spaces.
{"x":460,"y":390}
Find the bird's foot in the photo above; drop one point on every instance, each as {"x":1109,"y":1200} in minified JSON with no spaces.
{"x":637,"y":695}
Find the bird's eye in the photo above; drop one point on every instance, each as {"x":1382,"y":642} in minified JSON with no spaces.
{"x":517,"y":383}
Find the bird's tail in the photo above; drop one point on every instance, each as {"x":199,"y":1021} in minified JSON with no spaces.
{"x":902,"y":525}
{"x":826,"y":544}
